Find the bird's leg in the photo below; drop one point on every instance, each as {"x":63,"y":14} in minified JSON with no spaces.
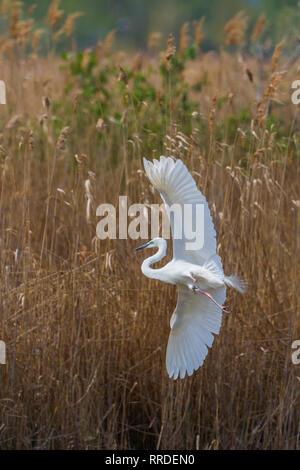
{"x":196,"y":289}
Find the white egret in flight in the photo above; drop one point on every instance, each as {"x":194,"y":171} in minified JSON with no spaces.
{"x":197,"y":273}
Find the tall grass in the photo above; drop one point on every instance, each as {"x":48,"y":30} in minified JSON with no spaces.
{"x":86,"y":333}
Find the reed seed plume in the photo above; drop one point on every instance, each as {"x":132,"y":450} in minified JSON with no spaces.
{"x":258,"y":28}
{"x":36,"y":38}
{"x":235,"y":29}
{"x":31,"y":9}
{"x":276,"y":54}
{"x":122,"y":76}
{"x":154,"y":40}
{"x":137,"y":63}
{"x":61,"y":142}
{"x":68,"y":27}
{"x":54,"y":14}
{"x":14,"y":18}
{"x":184,"y":38}
{"x":5,"y":6}
{"x":98,"y":50}
{"x":108,"y":42}
{"x":198,"y":31}
{"x":171,"y":48}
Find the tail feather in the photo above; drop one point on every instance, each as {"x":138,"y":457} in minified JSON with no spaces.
{"x":236,"y":283}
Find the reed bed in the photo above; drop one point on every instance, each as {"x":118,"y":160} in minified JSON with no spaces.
{"x":86,"y":332}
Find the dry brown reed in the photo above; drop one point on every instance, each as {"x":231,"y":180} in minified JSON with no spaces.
{"x":108,"y":42}
{"x":54,"y":14}
{"x":171,"y":48}
{"x":235,"y":29}
{"x":69,"y":24}
{"x":86,"y":332}
{"x":198,"y":31}
{"x":276,"y":54}
{"x":258,"y":28}
{"x":154,"y":40}
{"x":183,"y":38}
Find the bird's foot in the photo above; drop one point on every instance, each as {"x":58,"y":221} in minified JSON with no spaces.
{"x":226,"y":310}
{"x":200,"y":291}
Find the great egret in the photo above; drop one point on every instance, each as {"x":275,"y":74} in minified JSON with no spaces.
{"x":197,"y":273}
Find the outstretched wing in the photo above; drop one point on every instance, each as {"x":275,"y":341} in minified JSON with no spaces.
{"x":177,"y":186}
{"x":194,"y":320}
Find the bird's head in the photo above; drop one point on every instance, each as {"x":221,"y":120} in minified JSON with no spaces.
{"x":156,"y":242}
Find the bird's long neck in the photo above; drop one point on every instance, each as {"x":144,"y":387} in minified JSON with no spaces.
{"x":146,"y":266}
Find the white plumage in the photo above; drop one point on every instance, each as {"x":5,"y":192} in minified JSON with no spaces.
{"x":197,"y":273}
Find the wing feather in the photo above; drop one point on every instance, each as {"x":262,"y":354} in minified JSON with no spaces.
{"x":177,"y":186}
{"x":193,"y":323}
